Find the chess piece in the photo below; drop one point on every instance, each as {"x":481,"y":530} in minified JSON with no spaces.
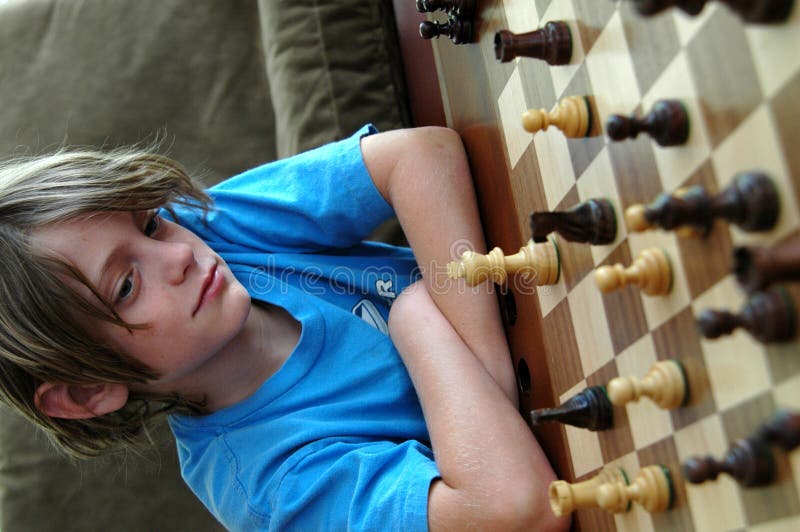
{"x":665,"y":384}
{"x":572,"y":116}
{"x":458,"y":30}
{"x":553,"y":44}
{"x":589,"y":409}
{"x":758,"y":267}
{"x":769,"y":316}
{"x":750,"y":201}
{"x":651,"y":271}
{"x":667,"y":123}
{"x":460,"y":8}
{"x":593,"y":221}
{"x":749,"y":461}
{"x":538,"y":262}
{"x":783,"y":429}
{"x":652,"y":488}
{"x":759,"y":11}
{"x":565,"y":498}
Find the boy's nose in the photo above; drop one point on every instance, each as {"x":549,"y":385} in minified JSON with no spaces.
{"x":178,"y":259}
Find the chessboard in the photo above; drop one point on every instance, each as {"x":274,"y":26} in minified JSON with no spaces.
{"x":740,"y":84}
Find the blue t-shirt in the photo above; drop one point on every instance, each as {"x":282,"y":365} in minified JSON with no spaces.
{"x":335,"y":440}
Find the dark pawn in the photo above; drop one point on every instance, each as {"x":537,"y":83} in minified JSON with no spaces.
{"x":553,"y":44}
{"x":759,"y":11}
{"x":667,"y":123}
{"x":457,"y":30}
{"x":783,"y":430}
{"x":750,"y":462}
{"x":769,"y":316}
{"x":758,"y":267}
{"x":589,"y":409}
{"x":751,"y":202}
{"x":592,"y":221}
{"x":461,"y":8}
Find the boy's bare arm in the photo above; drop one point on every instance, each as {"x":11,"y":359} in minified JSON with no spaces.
{"x":494,"y":476}
{"x":424,"y":174}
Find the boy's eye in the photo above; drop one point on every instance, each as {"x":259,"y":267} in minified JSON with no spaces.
{"x":152,"y":224}
{"x":127,"y":287}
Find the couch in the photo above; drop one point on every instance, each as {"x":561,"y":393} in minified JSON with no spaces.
{"x":224,"y":85}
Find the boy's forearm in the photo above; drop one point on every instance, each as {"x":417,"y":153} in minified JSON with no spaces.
{"x":433,"y":195}
{"x":485,"y":452}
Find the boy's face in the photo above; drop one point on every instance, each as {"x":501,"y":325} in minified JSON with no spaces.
{"x":156,"y":272}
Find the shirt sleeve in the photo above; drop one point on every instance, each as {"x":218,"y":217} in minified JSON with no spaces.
{"x":356,"y":487}
{"x":323,"y":198}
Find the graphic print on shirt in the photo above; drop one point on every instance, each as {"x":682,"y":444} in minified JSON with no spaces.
{"x":368,"y":311}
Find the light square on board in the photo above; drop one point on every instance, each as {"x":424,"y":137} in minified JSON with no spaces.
{"x":511,"y":105}
{"x":563,"y":12}
{"x":736,"y":365}
{"x":659,"y":309}
{"x":521,"y":15}
{"x":611,"y":72}
{"x":688,"y":25}
{"x":775,"y":49}
{"x":551,"y":295}
{"x":584,"y":447}
{"x":553,"y":154}
{"x":755,"y":146}
{"x":652,"y":41}
{"x":648,"y":422}
{"x":707,"y":436}
{"x":591,"y":326}
{"x":786,"y":114}
{"x":676,"y":163}
{"x":732,"y":92}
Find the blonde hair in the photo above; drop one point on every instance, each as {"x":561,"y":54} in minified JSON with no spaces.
{"x":45,"y":326}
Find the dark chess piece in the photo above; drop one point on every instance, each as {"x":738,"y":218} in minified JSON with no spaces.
{"x":589,"y":409}
{"x":769,"y":316}
{"x":553,"y":44}
{"x":667,"y":123}
{"x":758,"y":11}
{"x":750,"y":462}
{"x":758,"y":267}
{"x":750,"y":201}
{"x":460,"y":8}
{"x":592,"y":221}
{"x":456,"y":29}
{"x":783,"y":429}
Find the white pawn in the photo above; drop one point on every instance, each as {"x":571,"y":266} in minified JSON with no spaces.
{"x":565,"y":498}
{"x":652,"y":488}
{"x":651,"y":271}
{"x":571,"y":116}
{"x":539,"y":262}
{"x":665,"y":384}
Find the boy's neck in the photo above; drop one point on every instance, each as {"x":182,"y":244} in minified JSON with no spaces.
{"x":264,"y":343}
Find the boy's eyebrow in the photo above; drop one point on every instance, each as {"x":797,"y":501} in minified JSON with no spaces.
{"x":107,"y":263}
{"x":110,"y":259}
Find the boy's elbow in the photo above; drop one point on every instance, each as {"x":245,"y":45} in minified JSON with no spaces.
{"x":529,"y":509}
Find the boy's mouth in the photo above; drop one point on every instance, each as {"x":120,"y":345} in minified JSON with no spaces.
{"x":212,"y":280}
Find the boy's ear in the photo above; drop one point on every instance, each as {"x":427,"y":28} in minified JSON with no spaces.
{"x":79,"y":401}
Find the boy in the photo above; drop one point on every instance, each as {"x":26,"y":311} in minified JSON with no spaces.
{"x":290,"y":410}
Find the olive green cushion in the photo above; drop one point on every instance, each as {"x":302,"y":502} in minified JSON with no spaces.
{"x":333,"y":66}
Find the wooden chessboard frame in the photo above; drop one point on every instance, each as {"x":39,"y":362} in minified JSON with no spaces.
{"x":566,"y":337}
